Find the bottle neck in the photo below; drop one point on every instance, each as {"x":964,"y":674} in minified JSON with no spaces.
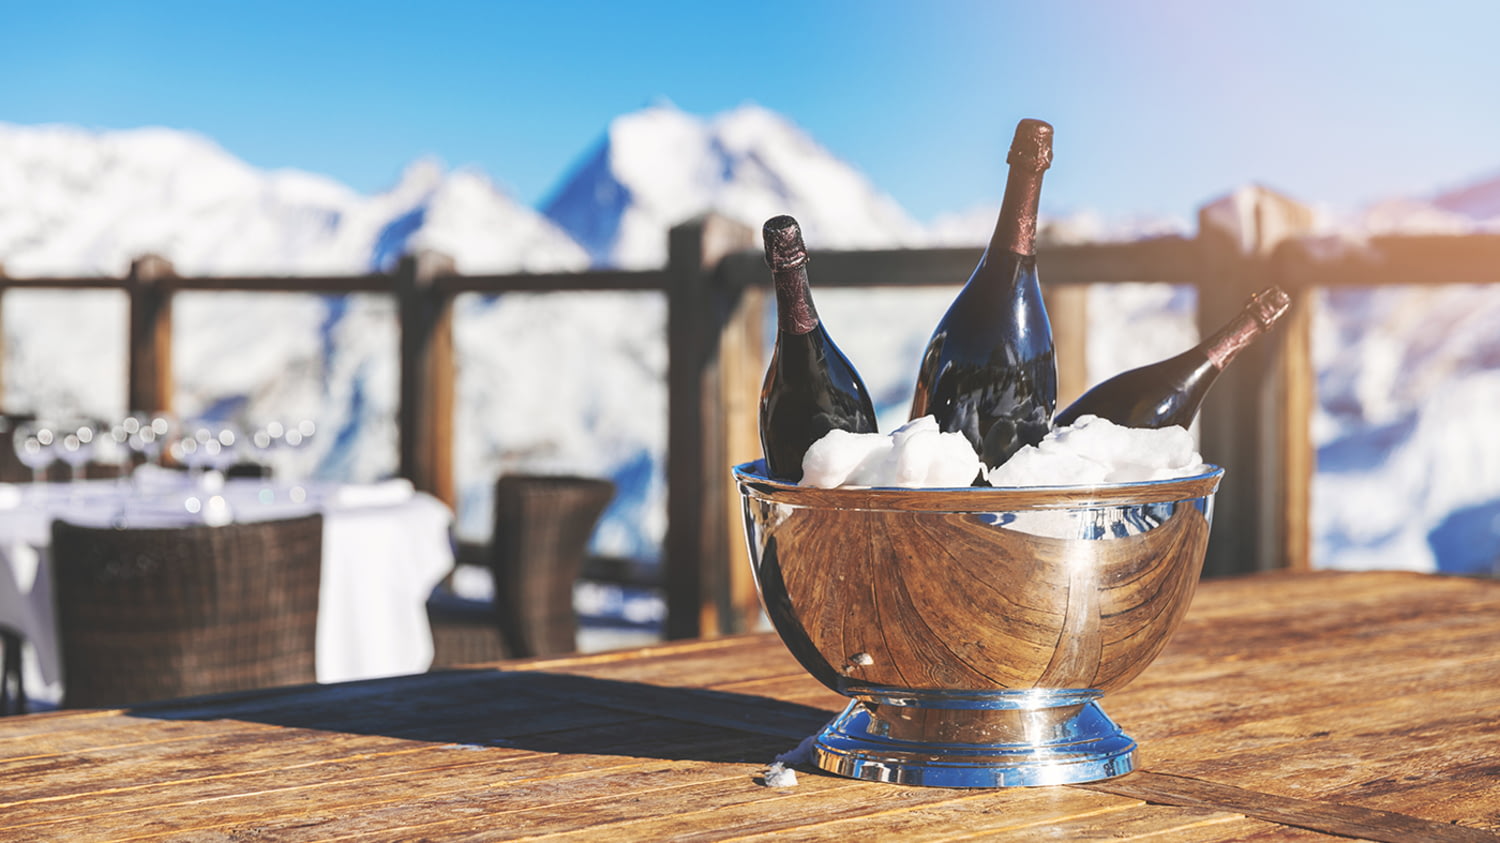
{"x":1259,"y":314}
{"x":795,"y":313}
{"x":1015,"y":230}
{"x":1225,"y":344}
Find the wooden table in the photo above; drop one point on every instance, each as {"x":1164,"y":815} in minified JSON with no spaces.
{"x":1288,"y":707}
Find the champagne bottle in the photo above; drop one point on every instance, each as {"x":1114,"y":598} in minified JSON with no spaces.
{"x":989,"y":370}
{"x":1170,"y":391}
{"x":810,"y":387}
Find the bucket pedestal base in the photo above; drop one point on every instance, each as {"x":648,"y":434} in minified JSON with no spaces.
{"x":977,"y":739}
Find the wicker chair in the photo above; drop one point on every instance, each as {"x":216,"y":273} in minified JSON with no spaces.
{"x":12,"y":689}
{"x":536,"y":553}
{"x":12,"y":470}
{"x":541,"y":535}
{"x":148,"y":614}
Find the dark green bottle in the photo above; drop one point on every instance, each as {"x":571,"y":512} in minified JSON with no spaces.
{"x":810,"y":387}
{"x":989,"y":371}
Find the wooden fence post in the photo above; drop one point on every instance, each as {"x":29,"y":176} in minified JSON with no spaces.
{"x":150,"y":364}
{"x":2,"y":332}
{"x":1288,"y":518}
{"x":1286,"y":512}
{"x":427,"y":375}
{"x":1068,"y":310}
{"x":700,"y":537}
{"x":742,"y":370}
{"x":1243,"y":418}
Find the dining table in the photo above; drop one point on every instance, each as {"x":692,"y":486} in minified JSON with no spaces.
{"x":385,"y":547}
{"x":1287,"y":706}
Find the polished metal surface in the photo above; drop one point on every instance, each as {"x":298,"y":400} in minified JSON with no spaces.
{"x":975,"y":628}
{"x":1065,"y":743}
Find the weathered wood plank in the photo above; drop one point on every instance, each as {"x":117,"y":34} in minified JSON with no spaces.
{"x":1331,"y":818}
{"x":1257,"y":723}
{"x":150,"y":337}
{"x":1290,"y":437}
{"x":741,"y":372}
{"x":698,"y":533}
{"x":1167,"y":259}
{"x":1068,"y":311}
{"x":509,"y":779}
{"x":986,"y":820}
{"x":594,"y":280}
{"x":428,"y":377}
{"x":821,"y":809}
{"x":1398,"y":260}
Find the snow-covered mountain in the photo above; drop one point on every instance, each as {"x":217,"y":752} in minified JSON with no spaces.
{"x":75,"y":202}
{"x":659,"y":166}
{"x":974,"y":226}
{"x":1471,"y":209}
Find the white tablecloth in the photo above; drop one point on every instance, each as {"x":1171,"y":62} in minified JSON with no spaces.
{"x":384,"y":548}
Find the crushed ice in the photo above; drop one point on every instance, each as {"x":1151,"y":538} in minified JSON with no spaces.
{"x":916,"y":455}
{"x":780,"y":773}
{"x":1092,"y":451}
{"x":1095,"y":450}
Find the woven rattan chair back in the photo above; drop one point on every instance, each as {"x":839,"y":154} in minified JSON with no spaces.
{"x":541,"y":536}
{"x":148,"y":614}
{"x":12,"y":688}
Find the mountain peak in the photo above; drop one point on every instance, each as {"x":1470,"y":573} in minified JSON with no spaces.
{"x":420,"y":178}
{"x":1478,"y":201}
{"x":660,"y":166}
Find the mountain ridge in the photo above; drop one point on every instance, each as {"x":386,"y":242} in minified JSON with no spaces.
{"x":83,"y":202}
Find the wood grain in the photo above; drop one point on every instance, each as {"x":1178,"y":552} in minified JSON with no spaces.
{"x":1312,"y":707}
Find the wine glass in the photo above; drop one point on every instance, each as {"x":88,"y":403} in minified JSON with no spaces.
{"x":207,"y":448}
{"x":224,"y":449}
{"x":75,"y":446}
{"x":294,"y":438}
{"x":36,"y":445}
{"x":300,"y":434}
{"x":113,"y":446}
{"x":265,"y":441}
{"x":148,"y":435}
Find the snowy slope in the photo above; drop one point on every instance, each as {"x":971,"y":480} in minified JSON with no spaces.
{"x":1409,"y":397}
{"x":1470,"y":209}
{"x":74,"y":202}
{"x":660,"y":166}
{"x":1408,"y":461}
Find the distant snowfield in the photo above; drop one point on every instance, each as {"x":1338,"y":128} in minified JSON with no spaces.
{"x":1409,"y":383}
{"x":1408,"y":456}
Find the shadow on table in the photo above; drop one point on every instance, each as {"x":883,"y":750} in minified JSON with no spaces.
{"x":528,"y":710}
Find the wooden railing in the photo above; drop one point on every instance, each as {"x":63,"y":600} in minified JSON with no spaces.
{"x":1255,"y":422}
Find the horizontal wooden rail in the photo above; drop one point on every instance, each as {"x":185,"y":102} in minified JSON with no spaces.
{"x":1390,"y":261}
{"x":84,"y":283}
{"x":1168,"y":259}
{"x":591,"y":281}
{"x":448,"y":284}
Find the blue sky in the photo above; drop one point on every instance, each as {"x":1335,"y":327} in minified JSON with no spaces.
{"x":1159,"y":105}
